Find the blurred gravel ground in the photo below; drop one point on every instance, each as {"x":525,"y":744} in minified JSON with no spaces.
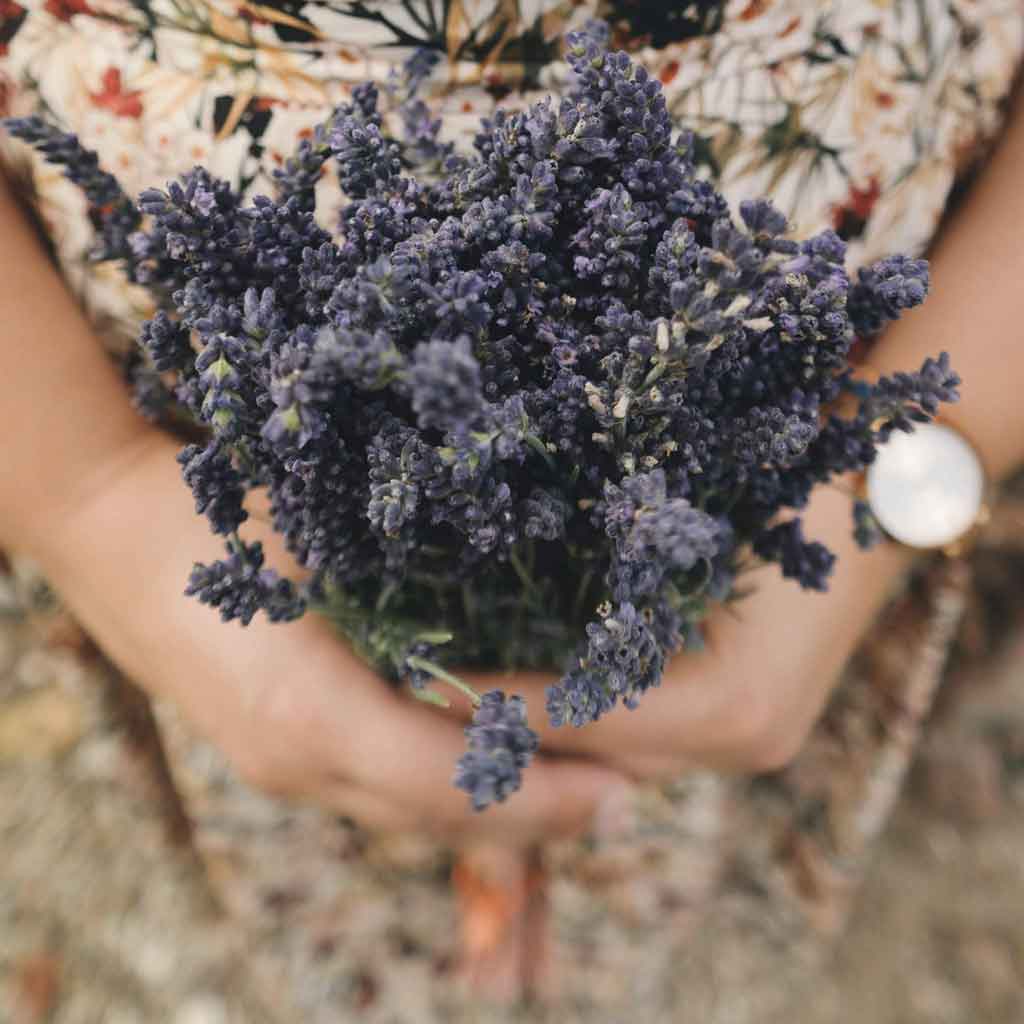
{"x":107,"y":918}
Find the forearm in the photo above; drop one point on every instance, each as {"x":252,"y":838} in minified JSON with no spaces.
{"x":69,"y":422}
{"x":974,"y":310}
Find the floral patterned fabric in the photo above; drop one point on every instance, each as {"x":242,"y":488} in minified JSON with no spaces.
{"x":858,"y":115}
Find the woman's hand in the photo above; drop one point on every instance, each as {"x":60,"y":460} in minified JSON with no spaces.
{"x":97,"y":498}
{"x":295,"y":711}
{"x":747,"y":701}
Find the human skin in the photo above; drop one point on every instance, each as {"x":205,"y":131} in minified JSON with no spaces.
{"x":94,"y":495}
{"x":748,"y":701}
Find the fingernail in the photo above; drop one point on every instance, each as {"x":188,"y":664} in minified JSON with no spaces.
{"x":615,"y":816}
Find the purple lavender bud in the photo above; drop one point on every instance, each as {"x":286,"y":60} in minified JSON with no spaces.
{"x":215,"y":484}
{"x":650,"y":527}
{"x":418,"y":677}
{"x":903,"y":399}
{"x":544,"y":515}
{"x":370,"y":361}
{"x":827,"y":246}
{"x":367,"y":160}
{"x":392,"y":504}
{"x":623,"y":653}
{"x":578,"y":699}
{"x":676,"y":532}
{"x":445,"y":386}
{"x":809,"y":563}
{"x":239,"y":586}
{"x":866,"y":531}
{"x":501,"y":745}
{"x":204,"y":200}
{"x":166,"y":343}
{"x":762,"y":218}
{"x":110,"y":210}
{"x":150,"y":396}
{"x":884,"y":290}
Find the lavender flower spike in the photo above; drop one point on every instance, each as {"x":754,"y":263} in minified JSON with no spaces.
{"x":500,"y":747}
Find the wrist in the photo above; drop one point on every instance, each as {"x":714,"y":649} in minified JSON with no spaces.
{"x":119,"y":557}
{"x":863,"y":580}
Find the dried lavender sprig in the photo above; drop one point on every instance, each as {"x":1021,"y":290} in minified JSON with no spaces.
{"x":111,"y":211}
{"x":239,"y":586}
{"x":501,"y":745}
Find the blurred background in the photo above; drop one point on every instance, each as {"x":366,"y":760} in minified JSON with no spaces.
{"x":832,"y":892}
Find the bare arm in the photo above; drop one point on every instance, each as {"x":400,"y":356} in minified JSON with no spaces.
{"x":95,"y":495}
{"x":976,"y":307}
{"x":749,"y":699}
{"x":68,"y":422}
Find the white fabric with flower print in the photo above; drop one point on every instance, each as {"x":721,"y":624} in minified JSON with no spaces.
{"x":858,"y":115}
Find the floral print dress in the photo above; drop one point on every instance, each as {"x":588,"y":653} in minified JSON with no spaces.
{"x":859,"y":115}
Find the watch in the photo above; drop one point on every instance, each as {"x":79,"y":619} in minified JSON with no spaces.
{"x":927,"y":489}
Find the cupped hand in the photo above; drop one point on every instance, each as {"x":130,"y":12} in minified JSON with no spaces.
{"x":290,"y":705}
{"x":747,"y":701}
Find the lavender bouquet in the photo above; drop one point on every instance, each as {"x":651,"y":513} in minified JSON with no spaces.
{"x":532,"y":407}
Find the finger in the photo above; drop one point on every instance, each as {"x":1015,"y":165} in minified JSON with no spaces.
{"x":632,"y":757}
{"x":674,"y":728}
{"x":404,"y":753}
{"x":407,"y":755}
{"x":768,"y":666}
{"x":371,"y":811}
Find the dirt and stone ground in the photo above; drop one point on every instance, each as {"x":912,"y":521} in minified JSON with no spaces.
{"x":106,"y":916}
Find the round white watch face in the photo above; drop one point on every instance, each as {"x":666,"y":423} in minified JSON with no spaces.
{"x":926,"y":488}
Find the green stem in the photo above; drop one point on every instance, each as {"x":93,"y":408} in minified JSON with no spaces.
{"x":538,"y":446}
{"x":425,"y":665}
{"x":430,"y":697}
{"x":525,"y":576}
{"x":655,"y":374}
{"x":581,"y":594}
{"x":469,"y":607}
{"x":435,"y":636}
